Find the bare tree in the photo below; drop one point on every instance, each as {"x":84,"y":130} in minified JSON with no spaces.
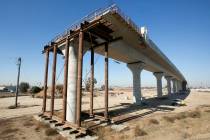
{"x":88,"y":83}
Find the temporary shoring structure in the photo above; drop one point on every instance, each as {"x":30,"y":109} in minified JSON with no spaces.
{"x":98,"y":32}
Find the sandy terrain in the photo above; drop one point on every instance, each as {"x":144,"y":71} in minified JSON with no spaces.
{"x":156,"y":119}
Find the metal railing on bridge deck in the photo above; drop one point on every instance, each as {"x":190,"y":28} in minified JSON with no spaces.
{"x":94,"y":15}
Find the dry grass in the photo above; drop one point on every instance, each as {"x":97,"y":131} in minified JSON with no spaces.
{"x":60,"y":138}
{"x":194,"y":114}
{"x":124,"y":137}
{"x":103,"y":132}
{"x":153,"y":121}
{"x":50,"y":132}
{"x":169,"y":119}
{"x":207,"y":111}
{"x":28,"y":123}
{"x":40,"y":125}
{"x":139,"y":132}
{"x":9,"y":130}
{"x":183,"y":115}
{"x":186,"y":135}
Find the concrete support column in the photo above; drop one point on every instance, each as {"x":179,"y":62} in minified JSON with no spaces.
{"x":159,"y":76}
{"x":168,"y":79}
{"x":174,"y":85}
{"x":184,"y":85}
{"x":136,"y":69}
{"x":179,"y":85}
{"x":72,"y":82}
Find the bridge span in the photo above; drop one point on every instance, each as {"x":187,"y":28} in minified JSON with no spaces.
{"x":112,"y":34}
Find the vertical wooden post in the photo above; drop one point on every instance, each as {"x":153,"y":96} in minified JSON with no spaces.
{"x":45,"y":80}
{"x":53,"y":78}
{"x":65,"y":79}
{"x":106,"y":82}
{"x":79,"y":78}
{"x":92,"y":82}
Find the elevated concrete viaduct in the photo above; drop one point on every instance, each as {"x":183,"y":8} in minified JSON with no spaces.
{"x":112,"y":34}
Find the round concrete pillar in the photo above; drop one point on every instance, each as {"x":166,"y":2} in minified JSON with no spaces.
{"x":179,"y":86}
{"x":72,"y":83}
{"x":174,"y":85}
{"x":136,"y":69}
{"x":168,"y":79}
{"x":72,"y":77}
{"x":159,"y":76}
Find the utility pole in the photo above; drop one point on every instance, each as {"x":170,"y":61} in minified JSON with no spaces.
{"x":18,"y":78}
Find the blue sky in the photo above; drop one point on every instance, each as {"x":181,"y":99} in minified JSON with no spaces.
{"x":180,"y":28}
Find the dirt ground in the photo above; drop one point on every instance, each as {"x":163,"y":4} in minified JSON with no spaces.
{"x":155,"y":120}
{"x":26,"y":128}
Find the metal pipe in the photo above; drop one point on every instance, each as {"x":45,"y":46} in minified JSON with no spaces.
{"x":65,"y":79}
{"x":106,"y":82}
{"x":79,"y":77}
{"x":92,"y":81}
{"x":45,"y":80}
{"x":53,"y":79}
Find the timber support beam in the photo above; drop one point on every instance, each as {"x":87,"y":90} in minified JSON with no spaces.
{"x":92,"y":81}
{"x":45,"y":80}
{"x":65,"y":79}
{"x":106,"y":83}
{"x":79,"y":78}
{"x":53,"y":78}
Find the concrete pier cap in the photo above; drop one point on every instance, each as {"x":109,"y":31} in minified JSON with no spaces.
{"x":168,"y":79}
{"x":136,"y":69}
{"x":159,"y":76}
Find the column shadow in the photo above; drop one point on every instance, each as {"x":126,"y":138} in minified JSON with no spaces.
{"x":128,"y":112}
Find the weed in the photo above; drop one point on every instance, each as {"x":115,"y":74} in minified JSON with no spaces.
{"x":153,"y":121}
{"x":9,"y":130}
{"x":139,"y":132}
{"x":50,"y":132}
{"x":169,"y":119}
{"x":40,"y":125}
{"x":194,"y":114}
{"x":181,"y":115}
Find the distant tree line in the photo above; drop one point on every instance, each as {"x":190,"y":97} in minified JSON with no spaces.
{"x":24,"y":87}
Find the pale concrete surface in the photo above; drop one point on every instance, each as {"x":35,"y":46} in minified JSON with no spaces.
{"x":72,"y":84}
